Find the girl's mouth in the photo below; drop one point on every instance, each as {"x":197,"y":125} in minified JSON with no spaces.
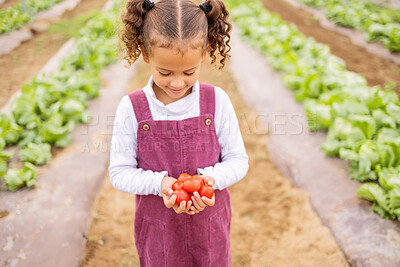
{"x":177,"y":91}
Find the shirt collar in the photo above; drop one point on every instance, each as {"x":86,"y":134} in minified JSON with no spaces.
{"x":150,"y":92}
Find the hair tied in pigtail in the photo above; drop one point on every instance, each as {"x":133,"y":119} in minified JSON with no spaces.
{"x":148,"y":5}
{"x":206,"y":7}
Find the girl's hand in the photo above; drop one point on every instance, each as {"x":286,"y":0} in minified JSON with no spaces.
{"x":200,"y":203}
{"x":169,"y":198}
{"x":184,"y":207}
{"x":208,"y":180}
{"x":166,"y":191}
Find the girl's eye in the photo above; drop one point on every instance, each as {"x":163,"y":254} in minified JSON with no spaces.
{"x":188,"y":74}
{"x":164,"y":74}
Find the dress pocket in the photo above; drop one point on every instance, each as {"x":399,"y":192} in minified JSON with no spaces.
{"x":219,"y":238}
{"x":151,"y":244}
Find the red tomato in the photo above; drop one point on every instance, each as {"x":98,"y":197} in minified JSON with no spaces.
{"x":181,"y":195}
{"x":191,"y":185}
{"x":184,"y":176}
{"x":206,"y":191}
{"x":177,"y":185}
{"x":198,"y":177}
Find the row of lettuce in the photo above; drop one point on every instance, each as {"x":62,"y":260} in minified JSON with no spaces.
{"x":14,"y":17}
{"x":379,"y":24}
{"x":50,"y":106}
{"x":362,"y":122}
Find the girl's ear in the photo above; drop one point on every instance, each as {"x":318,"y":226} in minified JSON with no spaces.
{"x":145,"y":56}
{"x":205,"y":53}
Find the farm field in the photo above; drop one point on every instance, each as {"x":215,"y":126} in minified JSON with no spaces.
{"x":275,"y":219}
{"x":264,"y":228}
{"x":376,"y":70}
{"x":24,"y":62}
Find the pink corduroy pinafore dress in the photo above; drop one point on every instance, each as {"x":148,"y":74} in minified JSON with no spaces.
{"x":162,"y":237}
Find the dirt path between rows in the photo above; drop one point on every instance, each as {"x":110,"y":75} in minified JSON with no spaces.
{"x":375,"y":69}
{"x":24,"y":62}
{"x":273,"y":223}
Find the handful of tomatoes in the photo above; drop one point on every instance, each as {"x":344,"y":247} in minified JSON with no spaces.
{"x":186,"y":185}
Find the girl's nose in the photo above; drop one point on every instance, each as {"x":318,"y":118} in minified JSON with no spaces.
{"x":177,"y":83}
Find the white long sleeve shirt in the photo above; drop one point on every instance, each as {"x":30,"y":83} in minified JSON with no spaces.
{"x":124,"y":172}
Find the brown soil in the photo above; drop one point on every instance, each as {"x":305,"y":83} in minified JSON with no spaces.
{"x":8,"y":3}
{"x":24,"y":62}
{"x":376,"y":70}
{"x":273,"y":223}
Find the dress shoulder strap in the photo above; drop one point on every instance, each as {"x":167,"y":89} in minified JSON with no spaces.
{"x":207,"y":99}
{"x":140,"y":105}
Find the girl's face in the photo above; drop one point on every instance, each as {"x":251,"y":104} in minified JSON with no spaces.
{"x":174,"y":73}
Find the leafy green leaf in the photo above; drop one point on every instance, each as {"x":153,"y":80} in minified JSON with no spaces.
{"x":359,"y":171}
{"x":37,"y":154}
{"x":348,"y":154}
{"x":394,"y":111}
{"x":382,"y":119}
{"x":376,"y":194}
{"x":3,"y":167}
{"x":349,"y":107}
{"x":389,"y":178}
{"x":9,"y":130}
{"x":331,"y":147}
{"x":365,"y":123}
{"x":6,"y":155}
{"x":371,"y":192}
{"x":318,"y":115}
{"x":345,"y":130}
{"x":381,"y":211}
{"x":394,"y":198}
{"x":2,"y":144}
{"x":17,"y":178}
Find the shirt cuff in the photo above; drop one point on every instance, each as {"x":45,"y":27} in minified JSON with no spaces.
{"x":159,"y":177}
{"x":201,"y":171}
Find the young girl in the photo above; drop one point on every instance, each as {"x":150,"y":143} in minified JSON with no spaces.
{"x":177,"y":125}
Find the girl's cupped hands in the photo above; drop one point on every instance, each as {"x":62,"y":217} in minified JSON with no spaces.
{"x":169,"y":198}
{"x":193,"y":206}
{"x":200,"y":203}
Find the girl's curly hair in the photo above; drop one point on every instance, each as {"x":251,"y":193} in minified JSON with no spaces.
{"x":173,"y":23}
